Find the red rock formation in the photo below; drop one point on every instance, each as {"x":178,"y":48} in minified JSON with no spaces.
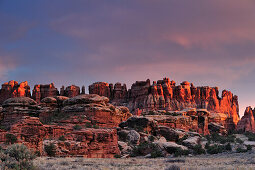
{"x":15,"y":108}
{"x":90,"y":143}
{"x":14,"y":89}
{"x":100,"y":88}
{"x":247,"y":122}
{"x":70,"y":91}
{"x":96,"y":109}
{"x":165,"y":95}
{"x":42,"y":91}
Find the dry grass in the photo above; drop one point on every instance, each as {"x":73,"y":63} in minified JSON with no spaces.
{"x":220,"y":161}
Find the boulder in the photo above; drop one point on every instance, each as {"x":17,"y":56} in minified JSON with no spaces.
{"x":133,"y":137}
{"x":191,"y":141}
{"x":140,"y":123}
{"x":170,"y":134}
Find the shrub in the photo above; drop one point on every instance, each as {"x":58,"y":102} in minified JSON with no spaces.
{"x":117,"y":156}
{"x":222,"y":139}
{"x":10,"y":138}
{"x":241,"y":150}
{"x":50,"y":149}
{"x":173,"y":167}
{"x":17,"y":157}
{"x":96,"y":126}
{"x":249,"y":147}
{"x":215,"y":149}
{"x":228,"y":147}
{"x":88,"y":125}
{"x":179,"y":141}
{"x":198,"y":150}
{"x":62,"y":138}
{"x":238,"y":140}
{"x":145,"y":148}
{"x":250,"y":136}
{"x":179,"y":152}
{"x":77,"y":127}
{"x":151,"y":113}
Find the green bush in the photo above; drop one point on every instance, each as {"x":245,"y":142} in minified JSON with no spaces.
{"x":88,"y":125}
{"x":17,"y":157}
{"x":117,"y":156}
{"x":215,"y":149}
{"x":228,"y":147}
{"x":50,"y":149}
{"x":179,"y":152}
{"x":250,"y":136}
{"x":249,"y":147}
{"x":10,"y":138}
{"x":96,"y":126}
{"x":62,"y":138}
{"x":238,"y":140}
{"x":241,"y":150}
{"x":77,"y":127}
{"x":145,"y":148}
{"x":198,"y":150}
{"x":222,"y":139}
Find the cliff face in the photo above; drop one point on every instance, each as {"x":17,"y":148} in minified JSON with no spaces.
{"x":166,"y":95}
{"x":247,"y":123}
{"x":142,"y":96}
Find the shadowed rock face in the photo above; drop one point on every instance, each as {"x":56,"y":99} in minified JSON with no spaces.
{"x":14,"y":89}
{"x":90,"y":143}
{"x":165,"y":95}
{"x":247,"y":123}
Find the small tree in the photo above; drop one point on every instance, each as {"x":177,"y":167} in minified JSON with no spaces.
{"x":50,"y":149}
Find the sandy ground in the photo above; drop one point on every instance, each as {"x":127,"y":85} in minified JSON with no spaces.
{"x":220,"y":161}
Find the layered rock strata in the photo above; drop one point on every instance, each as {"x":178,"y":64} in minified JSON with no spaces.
{"x":165,"y":95}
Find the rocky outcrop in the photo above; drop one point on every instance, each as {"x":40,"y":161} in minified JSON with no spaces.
{"x":14,"y":89}
{"x":42,"y":91}
{"x":96,"y":109}
{"x":166,"y":95}
{"x":117,"y":93}
{"x":247,"y":123}
{"x":15,"y":108}
{"x":90,"y":143}
{"x":70,"y":91}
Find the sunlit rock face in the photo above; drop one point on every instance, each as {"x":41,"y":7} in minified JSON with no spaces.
{"x":14,"y":89}
{"x":166,"y":95}
{"x":247,"y":123}
{"x":41,"y":91}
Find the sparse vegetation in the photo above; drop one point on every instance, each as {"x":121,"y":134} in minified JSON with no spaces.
{"x":50,"y":149}
{"x":16,"y":157}
{"x":198,"y":150}
{"x":88,"y":125}
{"x":250,"y":136}
{"x":215,"y":149}
{"x":96,"y":126}
{"x":10,"y":138}
{"x":221,"y":139}
{"x":77,"y":127}
{"x":62,"y":138}
{"x":179,"y":152}
{"x":117,"y":156}
{"x":146,"y":148}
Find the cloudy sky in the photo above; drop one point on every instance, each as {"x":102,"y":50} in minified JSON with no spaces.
{"x":82,"y":41}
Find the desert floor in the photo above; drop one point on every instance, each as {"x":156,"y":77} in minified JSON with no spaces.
{"x":219,"y":161}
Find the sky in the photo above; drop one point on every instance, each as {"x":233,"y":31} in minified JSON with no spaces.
{"x":84,"y":41}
